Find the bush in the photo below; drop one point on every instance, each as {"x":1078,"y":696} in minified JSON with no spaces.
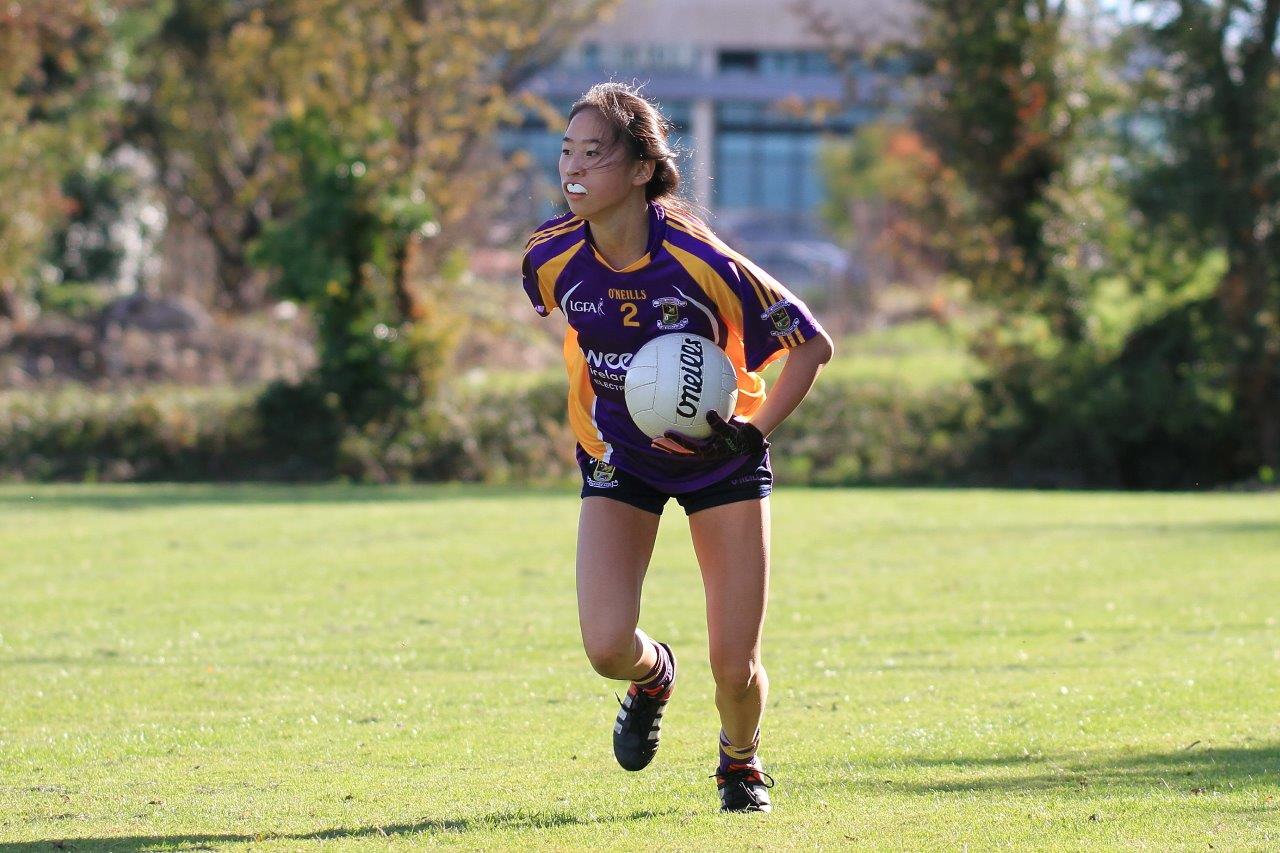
{"x":158,"y":434}
{"x":851,"y":432}
{"x":301,"y":428}
{"x":484,"y":434}
{"x":848,"y":432}
{"x":1157,"y":415}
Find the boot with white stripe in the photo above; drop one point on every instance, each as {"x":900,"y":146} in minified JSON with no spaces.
{"x":638,"y":725}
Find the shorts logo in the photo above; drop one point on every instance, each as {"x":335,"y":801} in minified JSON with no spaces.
{"x":603,"y":475}
{"x":783,"y":322}
{"x":671,"y":319}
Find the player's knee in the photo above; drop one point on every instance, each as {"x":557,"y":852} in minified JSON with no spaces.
{"x":611,"y":656}
{"x":737,"y":675}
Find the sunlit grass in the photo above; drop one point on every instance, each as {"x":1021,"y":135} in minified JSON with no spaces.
{"x":919,"y":354}
{"x":280,"y":668}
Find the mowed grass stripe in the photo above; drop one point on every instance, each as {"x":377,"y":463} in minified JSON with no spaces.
{"x":351,"y":667}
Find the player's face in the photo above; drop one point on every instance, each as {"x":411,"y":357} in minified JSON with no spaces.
{"x":596,"y":173}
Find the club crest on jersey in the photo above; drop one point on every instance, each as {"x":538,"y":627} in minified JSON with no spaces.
{"x":603,"y":475}
{"x":783,"y":322}
{"x":671,"y":319}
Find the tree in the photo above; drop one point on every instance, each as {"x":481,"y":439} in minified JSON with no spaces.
{"x":1217,"y":177}
{"x":878,"y":181}
{"x":420,"y":84}
{"x":56,"y":80}
{"x":379,"y":120}
{"x":340,"y":250}
{"x":998,"y":118}
{"x":204,"y":117}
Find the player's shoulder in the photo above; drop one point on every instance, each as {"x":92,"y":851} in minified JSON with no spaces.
{"x":554,"y":236}
{"x":555,"y":222}
{"x":739,"y":271}
{"x":692,"y":235}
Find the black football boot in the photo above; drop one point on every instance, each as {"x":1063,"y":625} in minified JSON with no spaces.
{"x":744,"y":788}
{"x":636,"y":730}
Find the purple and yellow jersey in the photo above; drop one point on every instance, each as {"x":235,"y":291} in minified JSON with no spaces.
{"x":687,"y":281}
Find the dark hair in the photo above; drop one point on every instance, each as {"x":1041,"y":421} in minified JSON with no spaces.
{"x":642,"y":128}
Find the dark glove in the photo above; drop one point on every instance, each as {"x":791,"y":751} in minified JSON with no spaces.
{"x":734,"y":437}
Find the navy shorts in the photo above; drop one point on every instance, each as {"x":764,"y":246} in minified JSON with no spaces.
{"x":751,"y":481}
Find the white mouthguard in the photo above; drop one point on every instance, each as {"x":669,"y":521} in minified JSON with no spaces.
{"x":576,"y":188}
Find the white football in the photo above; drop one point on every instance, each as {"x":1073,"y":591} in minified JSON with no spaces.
{"x":674,"y":380}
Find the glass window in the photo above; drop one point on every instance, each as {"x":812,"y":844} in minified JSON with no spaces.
{"x":791,"y":114}
{"x":779,"y":62}
{"x":777,"y":169}
{"x":739,"y":60}
{"x":768,"y":170}
{"x":734,"y":182}
{"x":679,"y":113}
{"x":742,"y":113}
{"x":815,"y":191}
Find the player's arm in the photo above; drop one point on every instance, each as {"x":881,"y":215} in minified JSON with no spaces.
{"x":799,"y":371}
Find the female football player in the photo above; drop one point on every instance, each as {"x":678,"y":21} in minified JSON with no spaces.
{"x":627,"y":263}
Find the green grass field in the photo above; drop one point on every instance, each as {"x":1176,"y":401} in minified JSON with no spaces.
{"x":920,"y":354}
{"x":202,"y":668}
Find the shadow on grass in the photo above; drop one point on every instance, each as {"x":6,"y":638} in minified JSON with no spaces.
{"x":1088,"y":528}
{"x":1195,"y":770}
{"x":430,"y":826}
{"x":165,"y":495}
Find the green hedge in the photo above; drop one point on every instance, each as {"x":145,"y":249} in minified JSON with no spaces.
{"x":847,"y":432}
{"x":856,"y":432}
{"x":156,"y":434}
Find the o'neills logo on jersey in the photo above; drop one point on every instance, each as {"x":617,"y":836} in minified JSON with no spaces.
{"x":691,"y":361}
{"x":635,"y":295}
{"x":610,"y":360}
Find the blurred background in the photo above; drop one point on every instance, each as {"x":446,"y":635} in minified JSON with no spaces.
{"x":281,"y":240}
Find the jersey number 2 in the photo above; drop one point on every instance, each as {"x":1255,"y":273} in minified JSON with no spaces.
{"x":629,"y":310}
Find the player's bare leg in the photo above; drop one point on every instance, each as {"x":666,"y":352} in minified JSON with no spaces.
{"x":615,"y":543}
{"x":732,"y":544}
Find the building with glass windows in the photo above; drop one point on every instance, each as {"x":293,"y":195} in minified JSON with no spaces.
{"x":753,"y":87}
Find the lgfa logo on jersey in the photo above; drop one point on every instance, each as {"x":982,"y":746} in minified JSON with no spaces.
{"x":671,"y":320}
{"x":583,"y":307}
{"x":783,"y":322}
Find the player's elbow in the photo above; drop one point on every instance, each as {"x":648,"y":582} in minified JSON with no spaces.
{"x":820,"y":347}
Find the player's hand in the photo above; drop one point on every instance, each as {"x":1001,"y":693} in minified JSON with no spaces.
{"x":664,"y":443}
{"x":734,"y":437}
